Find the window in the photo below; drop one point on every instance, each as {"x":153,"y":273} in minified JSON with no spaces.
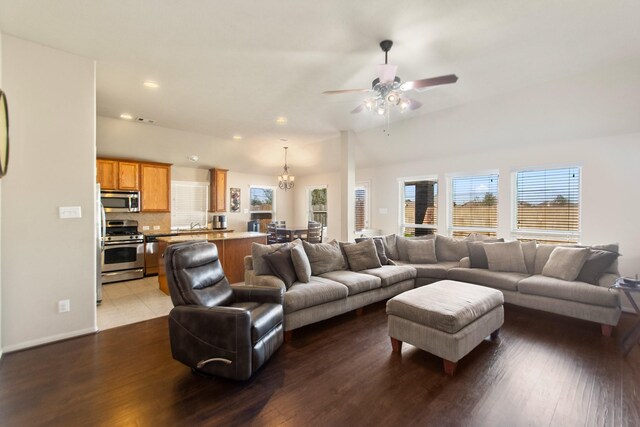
{"x":262,"y":204}
{"x":362,"y":206}
{"x":547,"y":204}
{"x":419,"y":206}
{"x":189,"y":202}
{"x":317,"y":197}
{"x":473,"y":205}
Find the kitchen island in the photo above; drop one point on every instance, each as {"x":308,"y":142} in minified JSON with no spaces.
{"x":232,"y":248}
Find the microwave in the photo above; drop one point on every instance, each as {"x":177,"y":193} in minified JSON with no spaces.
{"x":120,"y":201}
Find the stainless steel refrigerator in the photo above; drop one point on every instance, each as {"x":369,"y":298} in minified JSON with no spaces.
{"x":100,"y":231}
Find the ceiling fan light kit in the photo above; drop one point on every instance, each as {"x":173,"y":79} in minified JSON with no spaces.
{"x":389,"y":91}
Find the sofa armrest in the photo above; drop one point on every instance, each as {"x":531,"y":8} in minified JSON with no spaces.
{"x":262,"y":294}
{"x":252,"y":279}
{"x":465,"y":262}
{"x":248,"y":262}
{"x":607,"y":280}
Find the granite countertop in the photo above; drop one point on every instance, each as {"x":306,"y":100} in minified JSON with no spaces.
{"x":210,"y":236}
{"x":168,"y":232}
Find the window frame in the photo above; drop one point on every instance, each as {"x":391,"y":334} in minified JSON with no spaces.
{"x":367,"y":204}
{"x":401,"y":203}
{"x":310,"y":211}
{"x":450,"y":177}
{"x":542,"y":234}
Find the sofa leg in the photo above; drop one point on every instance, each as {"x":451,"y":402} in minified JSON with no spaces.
{"x":449,"y":367}
{"x":607,"y":330}
{"x":495,"y":334}
{"x":359,"y":311}
{"x":396,"y":345}
{"x":288,"y":335}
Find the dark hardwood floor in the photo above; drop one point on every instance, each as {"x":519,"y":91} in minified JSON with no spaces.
{"x":543,"y":370}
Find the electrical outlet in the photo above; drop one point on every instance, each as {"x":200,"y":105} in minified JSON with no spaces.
{"x":145,"y":227}
{"x":156,"y":227}
{"x":383,"y":211}
{"x":64,"y":305}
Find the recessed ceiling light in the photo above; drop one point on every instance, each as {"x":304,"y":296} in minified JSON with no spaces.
{"x":281,"y":120}
{"x":150,"y":84}
{"x":126,"y":116}
{"x":193,"y":158}
{"x":237,"y":137}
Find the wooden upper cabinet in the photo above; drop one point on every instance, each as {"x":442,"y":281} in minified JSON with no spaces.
{"x":218,"y":188}
{"x":107,"y":174}
{"x":128,"y":176}
{"x":155,"y":187}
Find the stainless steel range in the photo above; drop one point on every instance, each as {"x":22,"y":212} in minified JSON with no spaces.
{"x":123,"y":255}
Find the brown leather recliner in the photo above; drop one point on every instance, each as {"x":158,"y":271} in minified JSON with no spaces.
{"x":216,"y":328}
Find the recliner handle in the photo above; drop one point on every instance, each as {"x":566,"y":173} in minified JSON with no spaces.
{"x":201,"y":363}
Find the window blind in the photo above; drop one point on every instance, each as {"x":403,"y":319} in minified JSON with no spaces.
{"x":361,"y":207}
{"x":188,"y":203}
{"x":474,"y":204}
{"x":548,"y":201}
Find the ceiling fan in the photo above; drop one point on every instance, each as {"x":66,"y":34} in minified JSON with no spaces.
{"x":388,"y":90}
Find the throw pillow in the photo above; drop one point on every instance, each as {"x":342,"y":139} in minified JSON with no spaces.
{"x":450,"y":249}
{"x":362,"y":255}
{"x":565,"y":263}
{"x":505,"y":257}
{"x":324,"y":257}
{"x":390,"y":246}
{"x":422,"y":251}
{"x":477,"y":237}
{"x":597,"y":263}
{"x":401,"y":243}
{"x":281,"y":265}
{"x":477,"y":254}
{"x":379,"y":242}
{"x":344,"y":254}
{"x":301,"y":263}
{"x":260,"y":266}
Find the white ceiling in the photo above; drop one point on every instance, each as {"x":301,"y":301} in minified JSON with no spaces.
{"x":228,"y":68}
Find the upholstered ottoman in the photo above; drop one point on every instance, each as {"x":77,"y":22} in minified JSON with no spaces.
{"x":446,"y":318}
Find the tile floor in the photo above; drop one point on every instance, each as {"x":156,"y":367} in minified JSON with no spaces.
{"x":132,"y":301}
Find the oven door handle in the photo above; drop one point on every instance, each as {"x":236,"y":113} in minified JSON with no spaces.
{"x":125,"y":243}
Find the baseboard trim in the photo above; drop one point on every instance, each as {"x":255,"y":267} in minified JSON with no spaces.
{"x":47,"y":340}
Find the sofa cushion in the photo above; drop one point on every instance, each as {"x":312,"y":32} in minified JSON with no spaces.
{"x":324,"y":257}
{"x":301,"y":263}
{"x":506,"y":257}
{"x":477,"y":254}
{"x":382,"y":255}
{"x":260,"y":266}
{"x":492,"y":279}
{"x":318,"y":291}
{"x":401,"y":243}
{"x":596,"y":265}
{"x":565,"y":263}
{"x":447,"y":306}
{"x":432,"y":271}
{"x":355,"y":282}
{"x":529,"y":252}
{"x":568,"y":291}
{"x":281,"y":265}
{"x":362,"y":255}
{"x":450,"y":249}
{"x":421,"y":251}
{"x":390,"y":246}
{"x":392,"y":274}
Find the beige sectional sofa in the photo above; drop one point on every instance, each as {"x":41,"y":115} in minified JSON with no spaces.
{"x":341,"y":290}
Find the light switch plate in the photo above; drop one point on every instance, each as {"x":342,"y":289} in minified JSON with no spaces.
{"x":145,"y":227}
{"x":246,"y":211}
{"x":383,"y":211}
{"x":67,"y":212}
{"x":156,"y":227}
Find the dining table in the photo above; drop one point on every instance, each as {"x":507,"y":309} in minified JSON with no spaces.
{"x":289,"y":233}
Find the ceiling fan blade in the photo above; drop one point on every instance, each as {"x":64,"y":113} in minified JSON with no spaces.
{"x":334,"y":92}
{"x":357,"y":109}
{"x":387,"y":72}
{"x":433,"y":81}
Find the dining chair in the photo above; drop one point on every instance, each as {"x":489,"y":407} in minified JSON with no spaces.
{"x":272,"y":233}
{"x":314,"y":232}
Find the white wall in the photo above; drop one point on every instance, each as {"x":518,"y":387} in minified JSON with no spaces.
{"x":46,"y":259}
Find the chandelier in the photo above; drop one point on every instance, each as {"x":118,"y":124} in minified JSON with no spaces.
{"x":285,"y":181}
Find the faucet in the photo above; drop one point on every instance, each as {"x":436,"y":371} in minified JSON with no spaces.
{"x":194,"y":225}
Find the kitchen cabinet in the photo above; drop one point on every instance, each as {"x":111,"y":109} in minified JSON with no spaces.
{"x":107,"y":174}
{"x":117,"y":175}
{"x":218,"y":188}
{"x":155,"y":187}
